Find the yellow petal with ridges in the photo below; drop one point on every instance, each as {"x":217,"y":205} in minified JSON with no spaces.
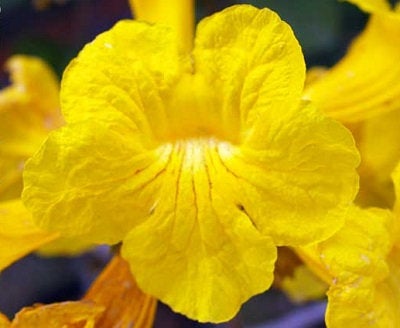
{"x":365,"y":302}
{"x":200,"y":241}
{"x":254,"y":61}
{"x":363,"y":287}
{"x":139,"y":90}
{"x":352,"y":300}
{"x":18,"y":235}
{"x":361,"y":245}
{"x":102,"y":197}
{"x":291,"y":179}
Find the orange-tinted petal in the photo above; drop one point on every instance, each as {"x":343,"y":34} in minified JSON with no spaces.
{"x":125,"y":304}
{"x":80,"y":314}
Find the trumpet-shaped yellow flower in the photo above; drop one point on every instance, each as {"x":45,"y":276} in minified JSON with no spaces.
{"x":200,"y":163}
{"x":365,"y":82}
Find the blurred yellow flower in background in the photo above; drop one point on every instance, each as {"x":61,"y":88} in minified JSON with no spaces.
{"x":362,"y":91}
{"x":29,"y":109}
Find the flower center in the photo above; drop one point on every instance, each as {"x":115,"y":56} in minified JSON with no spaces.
{"x":194,"y":112}
{"x":194,"y":152}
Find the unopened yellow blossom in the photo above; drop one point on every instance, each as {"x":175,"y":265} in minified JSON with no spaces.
{"x":200,"y":163}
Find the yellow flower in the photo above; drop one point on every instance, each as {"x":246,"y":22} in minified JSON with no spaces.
{"x":362,"y":91}
{"x":355,"y":264}
{"x":29,"y":108}
{"x":28,"y":111}
{"x":365,"y":82}
{"x":200,"y":163}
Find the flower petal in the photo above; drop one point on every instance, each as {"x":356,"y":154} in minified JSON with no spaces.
{"x":18,"y":235}
{"x":28,"y":110}
{"x":198,"y":251}
{"x":4,"y":322}
{"x":65,"y":247}
{"x":66,"y":314}
{"x":364,"y":302}
{"x":354,"y":90}
{"x":356,"y":259}
{"x":254,"y":61}
{"x":377,"y":133}
{"x":353,"y":300}
{"x":89,"y":180}
{"x":362,"y":245}
{"x":130,"y":69}
{"x":125,"y":304}
{"x":297,"y":179}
